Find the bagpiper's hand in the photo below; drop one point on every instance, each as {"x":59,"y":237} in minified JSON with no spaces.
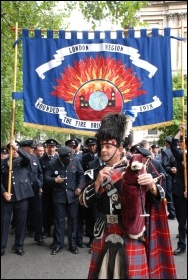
{"x":102,"y":176}
{"x":145,"y":179}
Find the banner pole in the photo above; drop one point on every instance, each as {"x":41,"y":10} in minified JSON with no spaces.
{"x":183,"y":112}
{"x":13,"y":110}
{"x":92,"y":31}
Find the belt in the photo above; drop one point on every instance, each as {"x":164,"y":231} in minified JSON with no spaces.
{"x":111,"y":219}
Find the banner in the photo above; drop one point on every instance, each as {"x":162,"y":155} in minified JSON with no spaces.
{"x":72,"y":81}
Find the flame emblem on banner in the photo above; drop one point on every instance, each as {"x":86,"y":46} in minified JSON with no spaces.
{"x":97,"y":86}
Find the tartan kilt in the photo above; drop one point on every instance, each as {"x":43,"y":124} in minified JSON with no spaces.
{"x":152,"y":259}
{"x":135,"y":250}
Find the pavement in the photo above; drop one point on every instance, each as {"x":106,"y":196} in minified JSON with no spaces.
{"x":38,"y":263}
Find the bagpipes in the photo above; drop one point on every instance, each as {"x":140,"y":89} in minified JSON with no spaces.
{"x":132,"y":200}
{"x":118,"y":168}
{"x":118,"y":171}
{"x":133,"y":197}
{"x":107,"y":185}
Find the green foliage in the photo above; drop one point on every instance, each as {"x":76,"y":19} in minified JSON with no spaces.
{"x":28,"y":14}
{"x":119,"y":12}
{"x":46,"y":15}
{"x":179,"y":109}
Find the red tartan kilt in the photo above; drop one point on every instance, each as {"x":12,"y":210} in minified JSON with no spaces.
{"x":135,"y":250}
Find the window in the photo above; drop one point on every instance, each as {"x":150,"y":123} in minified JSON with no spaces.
{"x":152,"y":132}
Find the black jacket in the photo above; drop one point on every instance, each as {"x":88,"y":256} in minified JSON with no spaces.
{"x":75,"y":179}
{"x":159,"y":168}
{"x":85,"y":161}
{"x":35,"y":173}
{"x":178,"y":183}
{"x":20,"y":183}
{"x":168,"y":160}
{"x":44,"y":161}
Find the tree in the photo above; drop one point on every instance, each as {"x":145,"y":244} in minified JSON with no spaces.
{"x":28,"y":14}
{"x":45,"y":15}
{"x":118,"y":12}
{"x":177,"y":109}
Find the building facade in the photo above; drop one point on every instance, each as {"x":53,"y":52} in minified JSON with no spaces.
{"x":161,"y":14}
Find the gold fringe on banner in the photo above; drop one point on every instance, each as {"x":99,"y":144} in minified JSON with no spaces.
{"x":90,"y":133}
{"x":152,"y":126}
{"x":59,"y":129}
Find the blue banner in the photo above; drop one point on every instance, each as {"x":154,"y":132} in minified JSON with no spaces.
{"x":72,"y":81}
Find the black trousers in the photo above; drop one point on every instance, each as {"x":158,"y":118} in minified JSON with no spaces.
{"x":61,"y":209}
{"x":47,"y":210}
{"x":20,"y":217}
{"x":34,"y":218}
{"x":180,"y":204}
{"x":168,"y":195}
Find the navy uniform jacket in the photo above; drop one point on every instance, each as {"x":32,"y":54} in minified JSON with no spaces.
{"x":85,"y":161}
{"x":178,"y":183}
{"x":35,"y":173}
{"x":158,"y":166}
{"x":20,"y":183}
{"x":168,"y":160}
{"x":75,"y":179}
{"x":157,"y":156}
{"x":44,"y":161}
{"x":95,"y":163}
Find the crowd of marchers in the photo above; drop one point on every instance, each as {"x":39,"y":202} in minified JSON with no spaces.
{"x":47,"y":180}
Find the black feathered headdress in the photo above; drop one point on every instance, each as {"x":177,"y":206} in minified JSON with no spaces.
{"x":115,"y":127}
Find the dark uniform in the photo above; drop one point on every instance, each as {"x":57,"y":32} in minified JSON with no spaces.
{"x":79,"y":152}
{"x":86,"y":159}
{"x":94,"y":213}
{"x":73,"y":144}
{"x":155,"y":167}
{"x":34,"y":221}
{"x":4,"y":152}
{"x":89,"y":156}
{"x":21,"y":190}
{"x":168,"y":161}
{"x":64,"y":198}
{"x":47,"y":204}
{"x":87,"y":213}
{"x":180,"y":202}
{"x":35,"y":202}
{"x":157,"y":156}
